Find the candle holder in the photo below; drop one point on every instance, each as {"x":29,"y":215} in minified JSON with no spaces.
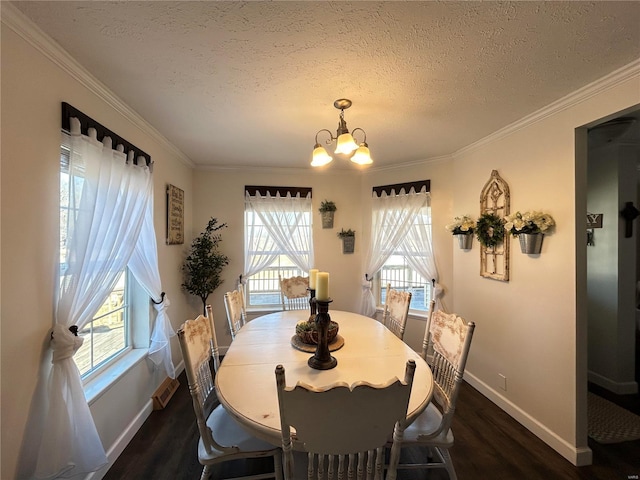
{"x":322,"y":360}
{"x":312,"y":304}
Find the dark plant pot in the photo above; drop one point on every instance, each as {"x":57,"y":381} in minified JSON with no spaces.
{"x":327,"y":219}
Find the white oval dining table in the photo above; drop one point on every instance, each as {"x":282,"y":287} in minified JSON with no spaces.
{"x":246,"y":383}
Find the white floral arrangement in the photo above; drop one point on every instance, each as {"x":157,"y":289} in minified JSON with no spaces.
{"x":463,"y":225}
{"x":528,"y":222}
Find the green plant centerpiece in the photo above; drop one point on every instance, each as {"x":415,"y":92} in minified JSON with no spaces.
{"x":204,"y":263}
{"x":490,"y":230}
{"x":307,"y":331}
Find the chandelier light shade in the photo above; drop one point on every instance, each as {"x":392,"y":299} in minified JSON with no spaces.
{"x":345,"y":142}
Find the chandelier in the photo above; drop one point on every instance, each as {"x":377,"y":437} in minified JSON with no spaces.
{"x":345,"y":143}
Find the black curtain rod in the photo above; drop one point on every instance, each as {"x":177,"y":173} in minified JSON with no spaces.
{"x":86,"y":122}
{"x":399,"y":186}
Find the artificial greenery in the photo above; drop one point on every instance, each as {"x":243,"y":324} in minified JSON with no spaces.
{"x":327,"y":206}
{"x":346,"y":233}
{"x":204,"y":264}
{"x":490,"y":230}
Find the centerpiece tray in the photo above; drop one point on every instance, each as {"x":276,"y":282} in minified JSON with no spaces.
{"x":298,"y":344}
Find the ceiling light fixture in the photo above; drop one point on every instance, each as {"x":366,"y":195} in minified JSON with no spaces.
{"x":345,"y":143}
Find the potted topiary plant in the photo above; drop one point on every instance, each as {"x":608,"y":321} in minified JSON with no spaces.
{"x":327,"y":210}
{"x":348,"y":240}
{"x":204,"y":263}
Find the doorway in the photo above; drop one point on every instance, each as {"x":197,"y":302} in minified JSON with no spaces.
{"x":613,"y":259}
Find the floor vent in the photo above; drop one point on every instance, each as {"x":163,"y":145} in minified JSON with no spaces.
{"x":164,"y":393}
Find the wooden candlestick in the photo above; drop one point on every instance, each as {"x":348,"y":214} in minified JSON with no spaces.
{"x":312,"y":304}
{"x":322,"y":360}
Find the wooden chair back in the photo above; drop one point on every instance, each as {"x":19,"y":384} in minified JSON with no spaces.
{"x":293,"y":293}
{"x":343,"y":428}
{"x":196,"y":343}
{"x":396,"y":310}
{"x":236,"y":314}
{"x":215,"y":351}
{"x":448,"y":346}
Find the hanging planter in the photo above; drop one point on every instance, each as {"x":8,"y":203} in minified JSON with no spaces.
{"x":464,"y":240}
{"x":327,"y":211}
{"x":348,"y":240}
{"x":531,"y":243}
{"x":462,"y":228}
{"x":530,"y":228}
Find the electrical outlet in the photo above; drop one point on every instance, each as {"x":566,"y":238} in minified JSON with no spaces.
{"x":502,"y":383}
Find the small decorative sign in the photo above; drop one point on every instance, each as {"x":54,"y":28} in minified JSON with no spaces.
{"x":175,"y":215}
{"x":594,"y":220}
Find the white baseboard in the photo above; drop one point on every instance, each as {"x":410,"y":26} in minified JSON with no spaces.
{"x":577,"y":456}
{"x":620,"y":388}
{"x":115,"y":450}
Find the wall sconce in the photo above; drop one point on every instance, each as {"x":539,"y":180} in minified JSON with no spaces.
{"x":345,"y":142}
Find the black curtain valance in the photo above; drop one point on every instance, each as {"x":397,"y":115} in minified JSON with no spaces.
{"x":86,"y":122}
{"x":417,"y":186}
{"x":273,"y":191}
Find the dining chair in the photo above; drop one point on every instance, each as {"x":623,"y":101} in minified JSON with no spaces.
{"x":293,"y":293}
{"x":236,"y":313}
{"x":221,"y":437}
{"x":342,"y":429}
{"x":446,"y":348}
{"x":396,"y":310}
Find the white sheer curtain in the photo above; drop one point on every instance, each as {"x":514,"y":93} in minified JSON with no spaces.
{"x":394,"y":219}
{"x":110,"y":211}
{"x":418,"y":246}
{"x":279,"y":225}
{"x":144,"y":266}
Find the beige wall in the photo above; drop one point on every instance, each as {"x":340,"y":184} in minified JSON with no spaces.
{"x":32,"y":89}
{"x":530,"y":328}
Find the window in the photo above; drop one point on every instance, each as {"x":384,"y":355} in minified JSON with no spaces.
{"x":107,"y":335}
{"x":401,"y":276}
{"x":397,"y":271}
{"x":401,"y":252}
{"x":278,"y":241}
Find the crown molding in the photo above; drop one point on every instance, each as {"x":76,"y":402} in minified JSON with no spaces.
{"x":627,"y":72}
{"x":11,"y":17}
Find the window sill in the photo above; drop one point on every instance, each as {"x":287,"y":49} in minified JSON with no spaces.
{"x":96,"y":387}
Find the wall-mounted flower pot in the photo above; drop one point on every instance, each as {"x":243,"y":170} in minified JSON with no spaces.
{"x":531,"y":243}
{"x":327,"y":219}
{"x":464,"y":241}
{"x":348,"y":244}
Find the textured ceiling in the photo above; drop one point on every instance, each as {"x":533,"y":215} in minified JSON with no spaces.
{"x":250,"y":83}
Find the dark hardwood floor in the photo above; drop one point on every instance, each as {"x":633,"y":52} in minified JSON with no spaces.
{"x":489,"y":445}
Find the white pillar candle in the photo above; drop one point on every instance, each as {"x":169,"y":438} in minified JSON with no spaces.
{"x":313,"y":275}
{"x":322,"y":286}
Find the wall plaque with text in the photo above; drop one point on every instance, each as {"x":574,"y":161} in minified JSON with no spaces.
{"x":175,"y":215}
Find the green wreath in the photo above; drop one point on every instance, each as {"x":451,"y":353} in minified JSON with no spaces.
{"x":490,"y":230}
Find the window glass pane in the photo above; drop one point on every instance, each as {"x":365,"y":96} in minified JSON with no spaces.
{"x":263,"y":288}
{"x":401,"y":276}
{"x":105,"y":336}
